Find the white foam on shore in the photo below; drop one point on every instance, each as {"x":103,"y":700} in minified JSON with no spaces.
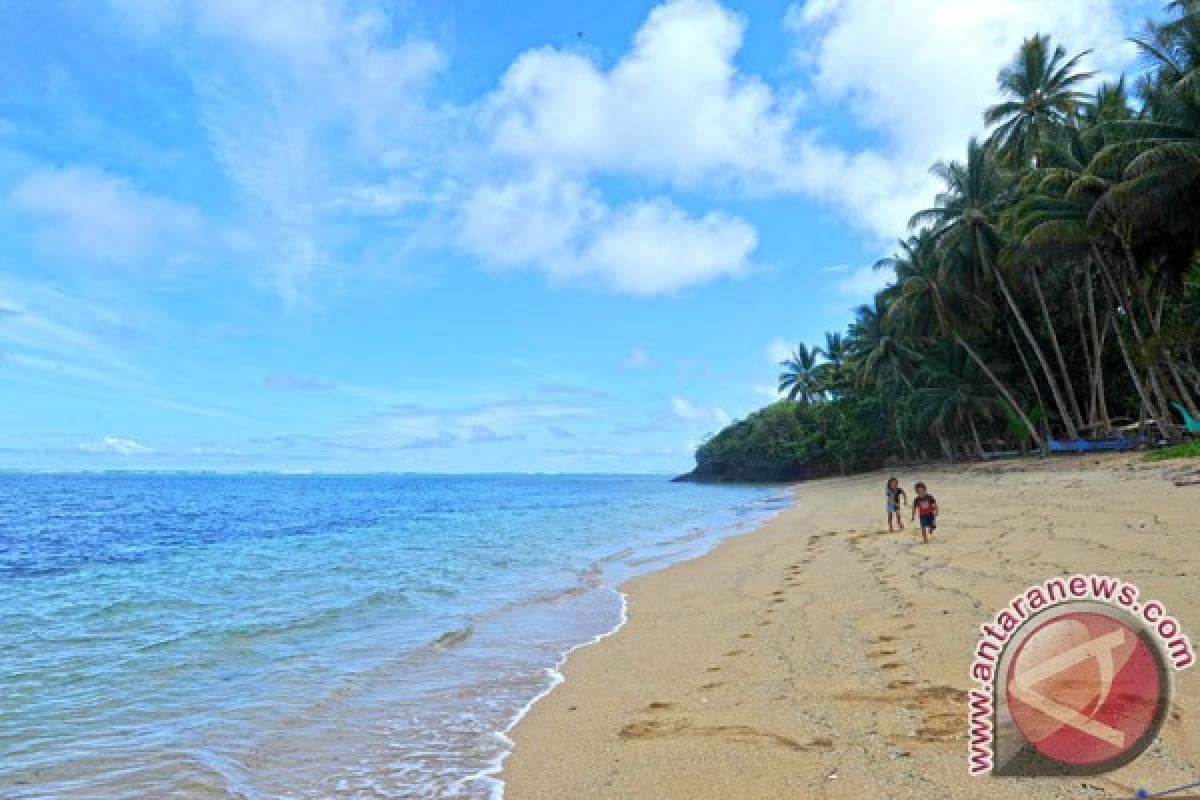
{"x":488,"y":775}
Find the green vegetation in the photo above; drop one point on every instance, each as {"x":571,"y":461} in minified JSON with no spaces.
{"x":1050,"y":292}
{"x":1185,"y":450}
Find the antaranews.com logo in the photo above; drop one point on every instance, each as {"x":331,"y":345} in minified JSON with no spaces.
{"x":1074,"y":679}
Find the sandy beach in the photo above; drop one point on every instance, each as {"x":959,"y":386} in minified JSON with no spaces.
{"x":822,"y":656}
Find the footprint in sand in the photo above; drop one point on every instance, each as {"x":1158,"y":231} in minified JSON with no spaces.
{"x":746,"y":636}
{"x":890,"y":665}
{"x":713,"y":685}
{"x":659,"y":705}
{"x":735,"y":652}
{"x":713,"y":669}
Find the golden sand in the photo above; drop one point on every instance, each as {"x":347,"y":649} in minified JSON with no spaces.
{"x":823,"y":657}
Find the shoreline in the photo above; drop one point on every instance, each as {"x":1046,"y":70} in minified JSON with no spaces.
{"x":712,"y":686}
{"x":708,"y":540}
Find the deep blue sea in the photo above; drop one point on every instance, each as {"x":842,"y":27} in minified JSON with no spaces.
{"x":309,"y":636}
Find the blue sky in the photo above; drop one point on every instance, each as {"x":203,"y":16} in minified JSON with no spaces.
{"x":542,"y":236}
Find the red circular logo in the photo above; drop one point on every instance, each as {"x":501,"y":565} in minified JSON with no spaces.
{"x":1086,"y":689}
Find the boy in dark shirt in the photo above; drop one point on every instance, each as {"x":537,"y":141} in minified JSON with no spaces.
{"x":925,"y":505}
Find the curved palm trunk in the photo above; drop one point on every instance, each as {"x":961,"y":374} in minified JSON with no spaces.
{"x":1101,"y":395}
{"x":1156,"y":325}
{"x":947,"y":450}
{"x":1086,"y":346}
{"x":1143,"y":395}
{"x":1098,"y":338}
{"x":1037,"y":390}
{"x":1069,"y":389}
{"x":1063,"y":412}
{"x":975,"y":436}
{"x":1121,"y":299}
{"x":1004,"y":390}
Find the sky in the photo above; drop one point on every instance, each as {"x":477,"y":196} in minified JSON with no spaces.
{"x":333,"y":235}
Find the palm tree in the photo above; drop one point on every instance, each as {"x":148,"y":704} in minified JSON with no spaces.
{"x":799,"y":377}
{"x":928,"y":305}
{"x":831,"y":375}
{"x":966,"y":223}
{"x":954,"y":394}
{"x":1044,"y":97}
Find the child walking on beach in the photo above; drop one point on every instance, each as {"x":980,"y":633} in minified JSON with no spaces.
{"x":925,"y":505}
{"x":895,"y":496}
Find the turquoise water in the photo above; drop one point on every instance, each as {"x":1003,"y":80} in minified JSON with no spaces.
{"x":272,"y":636}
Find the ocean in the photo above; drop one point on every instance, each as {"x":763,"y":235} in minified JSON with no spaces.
{"x":310,"y":636}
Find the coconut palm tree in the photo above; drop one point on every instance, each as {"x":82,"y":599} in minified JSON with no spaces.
{"x":966,"y":223}
{"x":929,"y":306}
{"x":954,"y":395}
{"x":799,"y":378}
{"x":1044,"y":96}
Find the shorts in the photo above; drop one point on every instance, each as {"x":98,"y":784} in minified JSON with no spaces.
{"x":928,"y":521}
{"x":892,"y":508}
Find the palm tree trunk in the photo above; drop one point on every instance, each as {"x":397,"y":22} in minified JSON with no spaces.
{"x":975,"y":436}
{"x":1131,"y":307}
{"x":1063,"y":412}
{"x":1068,"y":388}
{"x":1100,"y":393}
{"x":1180,"y":387}
{"x":1118,"y":300}
{"x":947,"y":450}
{"x":1098,"y":345}
{"x":1077,"y":307}
{"x":1037,"y":390}
{"x":1004,"y":390}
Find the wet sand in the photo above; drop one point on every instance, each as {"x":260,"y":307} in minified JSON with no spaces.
{"x":822,"y":656}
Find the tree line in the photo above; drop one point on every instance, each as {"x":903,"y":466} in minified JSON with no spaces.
{"x":1050,"y":292}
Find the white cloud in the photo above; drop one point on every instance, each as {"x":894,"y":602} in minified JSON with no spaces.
{"x":674,"y":109}
{"x":687,"y":410}
{"x":920,"y":81}
{"x":519,"y":179}
{"x":675,"y":106}
{"x":90,"y":213}
{"x":769,"y":392}
{"x":862,"y":282}
{"x":291,"y":381}
{"x":115,"y":444}
{"x":778,"y":350}
{"x":638,"y":359}
{"x":564,"y":228}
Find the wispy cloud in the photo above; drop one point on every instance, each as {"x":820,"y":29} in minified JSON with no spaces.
{"x":569,"y":390}
{"x":863,"y":282}
{"x":687,"y":410}
{"x":778,"y":350}
{"x":306,"y":169}
{"x":638,"y":359}
{"x":115,"y":444}
{"x":769,"y":392}
{"x":85,"y":212}
{"x":291,"y":381}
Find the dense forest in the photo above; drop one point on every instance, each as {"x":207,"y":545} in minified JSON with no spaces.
{"x":1049,"y":297}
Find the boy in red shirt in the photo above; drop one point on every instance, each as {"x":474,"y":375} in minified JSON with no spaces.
{"x":925,"y":505}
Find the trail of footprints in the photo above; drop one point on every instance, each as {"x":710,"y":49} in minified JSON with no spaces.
{"x":937,"y":711}
{"x":661,"y":718}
